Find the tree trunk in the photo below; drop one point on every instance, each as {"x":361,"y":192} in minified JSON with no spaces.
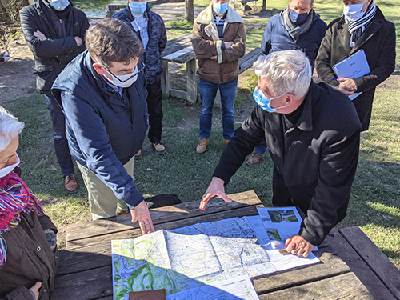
{"x":189,"y":11}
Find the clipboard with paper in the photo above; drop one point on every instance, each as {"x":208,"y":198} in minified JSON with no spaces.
{"x":352,"y":67}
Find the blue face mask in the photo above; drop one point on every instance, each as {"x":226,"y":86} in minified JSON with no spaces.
{"x":138,"y":8}
{"x":297,"y":19}
{"x":263,"y":101}
{"x":220,"y":9}
{"x":59,"y":5}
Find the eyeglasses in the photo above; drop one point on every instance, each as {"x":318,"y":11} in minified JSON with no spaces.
{"x":133,"y":75}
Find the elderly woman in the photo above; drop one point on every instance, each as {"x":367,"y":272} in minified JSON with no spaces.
{"x":28,"y":252}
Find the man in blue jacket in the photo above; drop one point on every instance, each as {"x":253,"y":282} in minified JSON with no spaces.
{"x":55,"y":30}
{"x":103,"y":94}
{"x":298,"y":27}
{"x":150,"y":29}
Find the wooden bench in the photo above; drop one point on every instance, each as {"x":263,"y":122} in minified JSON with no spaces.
{"x":371,"y":266}
{"x":241,"y":6}
{"x":113,"y":8}
{"x":180,"y":50}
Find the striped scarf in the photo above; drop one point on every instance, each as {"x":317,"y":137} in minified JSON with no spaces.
{"x":15,"y":197}
{"x":356,"y":28}
{"x":293,"y":30}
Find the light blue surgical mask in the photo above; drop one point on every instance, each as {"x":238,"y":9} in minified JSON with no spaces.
{"x":220,"y":9}
{"x":59,"y":5}
{"x":138,"y":8}
{"x":7,"y":170}
{"x":353,"y":12}
{"x":263,"y":101}
{"x":296,"y":18}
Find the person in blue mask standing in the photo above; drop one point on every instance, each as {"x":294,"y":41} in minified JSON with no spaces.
{"x":150,"y":29}
{"x":362,"y":27}
{"x":55,"y":30}
{"x":297,"y":27}
{"x":312,"y":133}
{"x":103,"y":94}
{"x":219,"y":40}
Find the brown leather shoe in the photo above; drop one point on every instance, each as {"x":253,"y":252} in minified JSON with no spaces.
{"x":254,"y":159}
{"x":138,"y":155}
{"x":121,"y":212}
{"x":71,"y":184}
{"x":202,"y":146}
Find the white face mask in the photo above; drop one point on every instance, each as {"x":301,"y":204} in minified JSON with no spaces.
{"x":353,"y":12}
{"x":123,"y":80}
{"x":59,"y":5}
{"x":7,"y":170}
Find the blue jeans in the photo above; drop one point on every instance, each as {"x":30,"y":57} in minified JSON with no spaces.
{"x":208,"y":91}
{"x":262,"y":147}
{"x":60,"y":140}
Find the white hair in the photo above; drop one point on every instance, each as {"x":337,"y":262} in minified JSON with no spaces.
{"x":10,"y":127}
{"x":287,"y":72}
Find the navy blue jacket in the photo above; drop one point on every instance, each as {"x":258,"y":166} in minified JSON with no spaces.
{"x":276,"y":38}
{"x":156,"y":44}
{"x":104,"y":129}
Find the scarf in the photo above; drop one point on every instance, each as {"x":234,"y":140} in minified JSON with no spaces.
{"x":15,"y":198}
{"x":293,"y":30}
{"x":356,"y":28}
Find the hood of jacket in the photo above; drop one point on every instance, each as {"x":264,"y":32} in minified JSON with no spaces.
{"x":206,"y":16}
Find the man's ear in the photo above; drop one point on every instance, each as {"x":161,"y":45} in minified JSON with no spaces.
{"x":99,"y":69}
{"x":289,"y":99}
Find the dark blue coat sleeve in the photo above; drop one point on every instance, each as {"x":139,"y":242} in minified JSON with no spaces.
{"x":93,"y":141}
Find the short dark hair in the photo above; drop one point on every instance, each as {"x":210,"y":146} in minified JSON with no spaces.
{"x":111,"y":40}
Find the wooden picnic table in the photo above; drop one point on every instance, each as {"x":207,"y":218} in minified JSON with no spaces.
{"x":85,"y":265}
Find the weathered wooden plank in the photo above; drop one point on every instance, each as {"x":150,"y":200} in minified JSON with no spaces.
{"x":247,"y":60}
{"x":374,"y":258}
{"x":331,"y":265}
{"x":165,"y":79}
{"x":177,"y":44}
{"x":191,"y":80}
{"x":377,"y":289}
{"x":85,"y":285}
{"x":345,"y":286}
{"x":159,"y":215}
{"x":244,"y":211}
{"x":178,"y":94}
{"x":172,"y":56}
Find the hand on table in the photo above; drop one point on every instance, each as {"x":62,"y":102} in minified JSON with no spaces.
{"x":141,"y":214}
{"x":216,"y":188}
{"x":39,"y":35}
{"x":347,"y":85}
{"x":298,"y":246}
{"x":35,"y":289}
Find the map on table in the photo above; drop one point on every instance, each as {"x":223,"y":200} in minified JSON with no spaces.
{"x":204,"y":258}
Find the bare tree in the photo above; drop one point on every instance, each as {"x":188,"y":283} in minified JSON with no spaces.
{"x":189,"y":11}
{"x":9,"y":9}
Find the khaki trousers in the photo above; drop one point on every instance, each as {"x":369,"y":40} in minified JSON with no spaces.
{"x":102,"y":200}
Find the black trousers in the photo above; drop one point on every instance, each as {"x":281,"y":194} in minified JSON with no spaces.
{"x":154,"y":107}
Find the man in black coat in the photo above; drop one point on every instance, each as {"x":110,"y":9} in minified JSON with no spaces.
{"x":312,"y":134}
{"x":55,"y":33}
{"x":362,"y":27}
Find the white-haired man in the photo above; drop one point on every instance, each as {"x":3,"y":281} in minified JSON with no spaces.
{"x":312,"y":133}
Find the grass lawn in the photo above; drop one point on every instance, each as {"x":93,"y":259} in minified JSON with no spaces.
{"x":375,"y":197}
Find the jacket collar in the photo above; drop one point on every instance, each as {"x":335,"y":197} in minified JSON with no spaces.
{"x":376,"y":23}
{"x":305,"y":121}
{"x":206,"y":16}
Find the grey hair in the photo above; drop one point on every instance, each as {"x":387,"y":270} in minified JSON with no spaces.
{"x":10,"y":127}
{"x":287,"y":72}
